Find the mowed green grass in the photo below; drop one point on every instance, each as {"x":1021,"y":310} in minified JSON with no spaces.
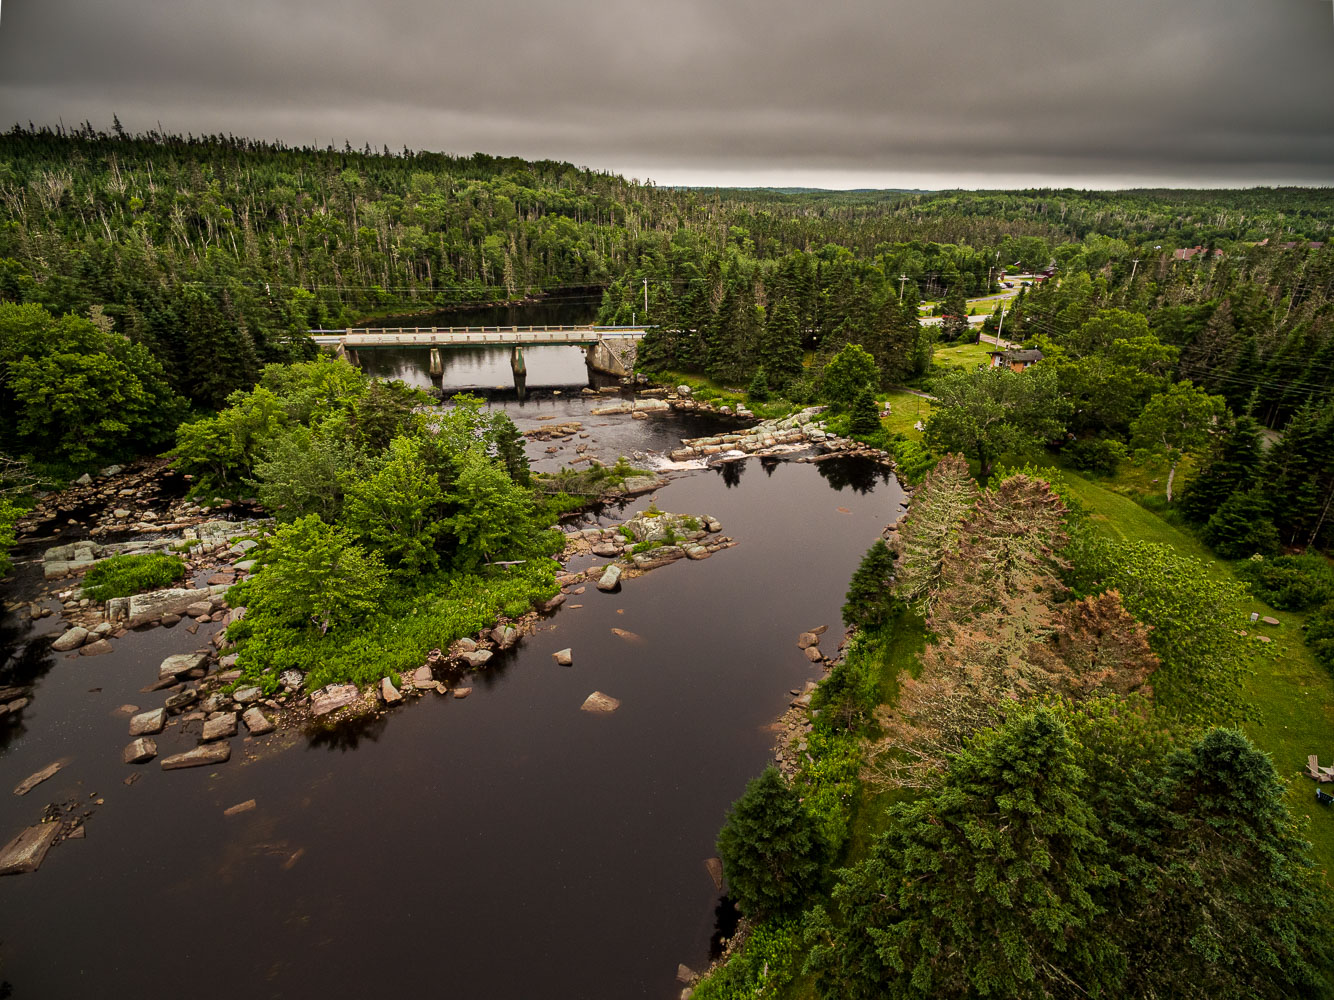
{"x":905,"y":410}
{"x":1291,"y":695}
{"x":966,"y":356}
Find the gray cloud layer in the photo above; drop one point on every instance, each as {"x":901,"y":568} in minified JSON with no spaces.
{"x":896,"y":92}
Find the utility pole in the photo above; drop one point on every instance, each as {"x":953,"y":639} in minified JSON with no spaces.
{"x":1133,"y":270}
{"x":1000,"y":343}
{"x":902,"y":279}
{"x":646,"y":296}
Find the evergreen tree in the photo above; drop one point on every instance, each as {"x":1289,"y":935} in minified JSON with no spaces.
{"x":509,"y":448}
{"x":780,"y":348}
{"x":865,"y":414}
{"x":1241,"y":527}
{"x":870,"y":600}
{"x":772,"y":852}
{"x":1235,"y":462}
{"x":954,"y":325}
{"x":758,"y":391}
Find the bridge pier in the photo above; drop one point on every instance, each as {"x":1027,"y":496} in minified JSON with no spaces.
{"x":517,"y":363}
{"x":437,"y":364}
{"x":351,"y":357}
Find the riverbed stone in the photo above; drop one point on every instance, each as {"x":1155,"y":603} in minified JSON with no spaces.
{"x":245,"y":695}
{"x":610,"y":578}
{"x":221,"y":727}
{"x":201,"y":756}
{"x":180,"y":664}
{"x":422,"y":677}
{"x":26,"y":852}
{"x":807,"y":639}
{"x":476,"y":658}
{"x":505,"y":636}
{"x":144,"y":608}
{"x":257,"y":722}
{"x":147,"y":723}
{"x":240,"y":807}
{"x":333,"y":697}
{"x":388,"y":692}
{"x":600,"y":703}
{"x":140,"y":751}
{"x":182,"y":699}
{"x":71,"y":639}
{"x":98,"y":648}
{"x":291,"y":679}
{"x":33,"y":780}
{"x":462,"y":692}
{"x":814,"y":655}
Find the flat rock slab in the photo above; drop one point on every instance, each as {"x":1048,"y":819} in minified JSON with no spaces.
{"x":33,"y":780}
{"x":246,"y":695}
{"x":181,"y":664}
{"x":27,"y":851}
{"x":140,"y":751}
{"x":257,"y":722}
{"x":96,"y":648}
{"x":71,"y":639}
{"x":333,"y":697}
{"x":147,"y":723}
{"x":422,"y":677}
{"x":715,"y":868}
{"x":239,"y":808}
{"x":599,"y":702}
{"x":220,"y":728}
{"x":388,"y":692}
{"x":1268,"y":620}
{"x":210,"y":753}
{"x":477,"y":658}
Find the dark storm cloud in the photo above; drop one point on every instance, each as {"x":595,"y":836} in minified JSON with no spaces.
{"x":1185,"y":91}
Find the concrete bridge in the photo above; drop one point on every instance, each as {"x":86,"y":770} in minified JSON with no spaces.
{"x":609,"y":349}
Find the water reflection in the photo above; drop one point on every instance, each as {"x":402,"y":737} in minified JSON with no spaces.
{"x":347,"y":734}
{"x":857,"y":475}
{"x":732,"y":473}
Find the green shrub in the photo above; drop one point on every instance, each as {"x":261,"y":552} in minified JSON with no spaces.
{"x":912,"y":460}
{"x":121,"y":576}
{"x":765,"y":964}
{"x":1290,"y":583}
{"x":1320,"y":634}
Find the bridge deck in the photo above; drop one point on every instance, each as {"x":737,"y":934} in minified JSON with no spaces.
{"x":474,"y":336}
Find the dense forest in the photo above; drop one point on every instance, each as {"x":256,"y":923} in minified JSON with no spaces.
{"x":1030,"y":759}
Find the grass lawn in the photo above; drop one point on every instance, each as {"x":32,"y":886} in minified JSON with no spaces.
{"x":905,"y":410}
{"x":1292,"y":695}
{"x":967,"y":356}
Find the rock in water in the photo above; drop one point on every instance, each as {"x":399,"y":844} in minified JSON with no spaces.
{"x":27,"y":851}
{"x":209,"y":753}
{"x":462,"y":692}
{"x":807,"y":639}
{"x":181,"y":664}
{"x":388,"y":692}
{"x":95,"y":648}
{"x":610,"y":579}
{"x":140,"y":751}
{"x":477,"y":658}
{"x":220,"y":728}
{"x":599,"y":702}
{"x":71,"y":639}
{"x":257,"y":722}
{"x":715,"y":867}
{"x":564,"y":657}
{"x":32,"y":781}
{"x":239,"y":808}
{"x":423,"y":678}
{"x":147,"y":723}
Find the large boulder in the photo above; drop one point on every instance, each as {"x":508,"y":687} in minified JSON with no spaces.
{"x":144,"y":608}
{"x":140,"y":751}
{"x":610,"y":579}
{"x":220,"y":728}
{"x":333,"y":697}
{"x":71,"y":639}
{"x":147,"y":723}
{"x":257,"y":722}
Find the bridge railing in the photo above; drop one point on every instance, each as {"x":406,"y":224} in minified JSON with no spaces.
{"x":479,"y":329}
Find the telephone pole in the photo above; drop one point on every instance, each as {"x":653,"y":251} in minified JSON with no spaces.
{"x":902,"y":279}
{"x":646,"y":296}
{"x":1133,"y":270}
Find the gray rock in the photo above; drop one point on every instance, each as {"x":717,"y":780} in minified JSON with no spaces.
{"x":505,"y":636}
{"x":26,"y":852}
{"x":220,"y":728}
{"x":333,"y":697}
{"x":140,"y":751}
{"x":422,"y":677}
{"x":462,"y":646}
{"x":235,"y":615}
{"x":257,"y":722}
{"x":180,"y":664}
{"x":104,"y":630}
{"x":147,"y":723}
{"x":95,"y":648}
{"x":247,"y":694}
{"x":71,"y":639}
{"x":807,"y":639}
{"x":198,"y":609}
{"x":182,"y":699}
{"x":564,"y":657}
{"x":388,"y":692}
{"x":291,"y":678}
{"x":813,"y":654}
{"x":477,"y":658}
{"x":610,"y":579}
{"x":110,"y":470}
{"x":201,"y":756}
{"x":143,"y":608}
{"x":84,"y":480}
{"x":601,"y":703}
{"x":245,"y":565}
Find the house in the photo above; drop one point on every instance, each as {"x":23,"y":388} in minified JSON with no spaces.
{"x":1017,"y":360}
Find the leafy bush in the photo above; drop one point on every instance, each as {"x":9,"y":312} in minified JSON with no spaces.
{"x":912,"y":460}
{"x":9,"y":515}
{"x":1290,"y":583}
{"x":765,"y":964}
{"x":1320,"y":634}
{"x":1101,"y":455}
{"x":121,"y":576}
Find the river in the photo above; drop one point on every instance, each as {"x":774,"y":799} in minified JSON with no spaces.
{"x":507,"y":845}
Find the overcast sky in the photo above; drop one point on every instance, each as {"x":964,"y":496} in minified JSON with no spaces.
{"x":835,"y":93}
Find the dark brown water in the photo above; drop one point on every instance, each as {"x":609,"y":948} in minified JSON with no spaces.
{"x":503,"y":846}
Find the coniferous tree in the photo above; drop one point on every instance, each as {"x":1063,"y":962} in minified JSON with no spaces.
{"x":954,"y":325}
{"x":1233,"y":466}
{"x":780,"y":350}
{"x":1241,"y":526}
{"x":870,"y":600}
{"x":772,"y":852}
{"x":865,"y":415}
